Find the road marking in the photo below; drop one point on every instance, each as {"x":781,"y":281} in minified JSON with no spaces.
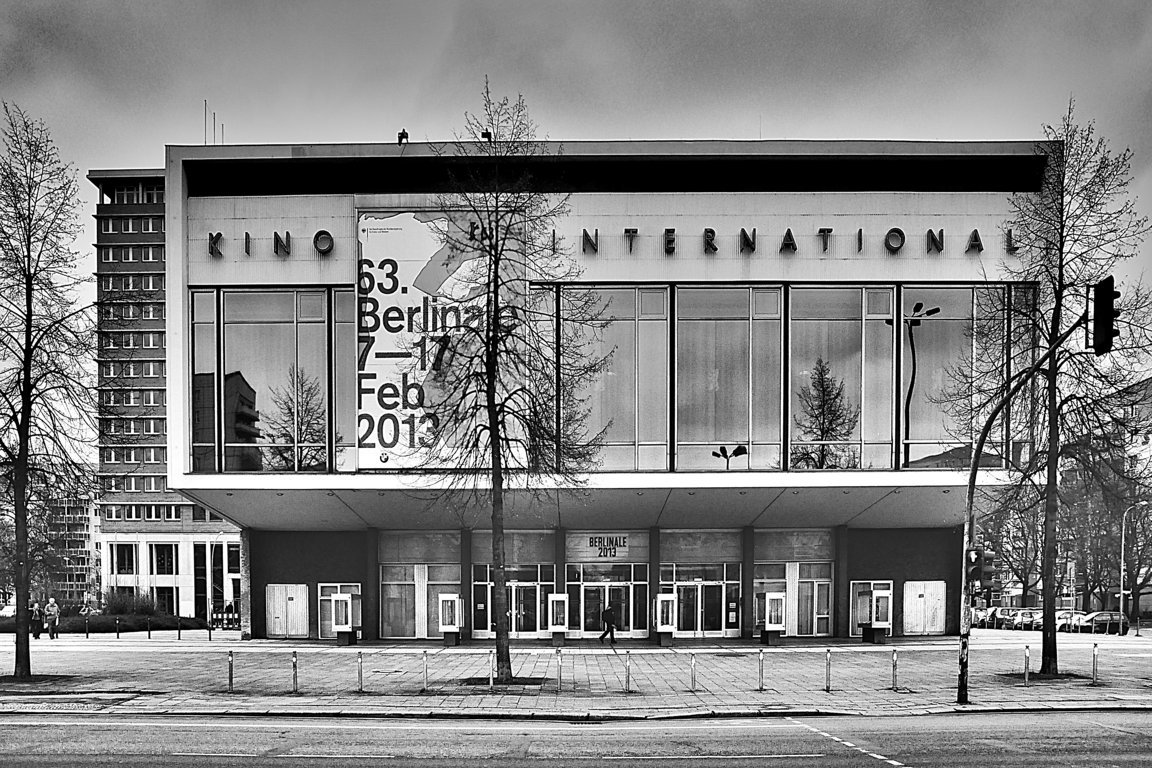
{"x":1121,"y":730}
{"x":215,"y":754}
{"x":396,"y":726}
{"x":839,"y":740}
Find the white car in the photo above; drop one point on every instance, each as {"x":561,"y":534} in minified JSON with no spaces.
{"x":7,"y":610}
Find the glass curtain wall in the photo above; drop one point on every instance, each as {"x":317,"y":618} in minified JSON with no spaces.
{"x":262,"y":376}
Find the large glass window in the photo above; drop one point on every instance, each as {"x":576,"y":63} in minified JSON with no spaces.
{"x":630,"y":398}
{"x":261,"y":379}
{"x":826,"y":379}
{"x":728,"y":378}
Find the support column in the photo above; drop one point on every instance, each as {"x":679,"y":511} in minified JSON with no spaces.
{"x":466,"y":583}
{"x":560,"y":557}
{"x":747,"y":571}
{"x":370,"y":586}
{"x":653,"y":579}
{"x":245,"y":586}
{"x":840,"y":616}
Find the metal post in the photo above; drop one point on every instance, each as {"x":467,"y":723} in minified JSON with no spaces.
{"x":209,"y":626}
{"x":491,"y":667}
{"x":559,"y":671}
{"x":693,"y":661}
{"x":230,"y":668}
{"x":295,"y":678}
{"x":894,"y":685}
{"x":828,"y":671}
{"x":627,"y":671}
{"x":85,"y":627}
{"x":178,"y":630}
{"x":425,"y":670}
{"x":117,"y":627}
{"x":1027,"y":663}
{"x":360,"y":671}
{"x":149,"y":622}
{"x":1095,"y":660}
{"x":760,"y":677}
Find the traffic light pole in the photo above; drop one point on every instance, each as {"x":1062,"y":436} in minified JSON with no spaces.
{"x":969,"y":586}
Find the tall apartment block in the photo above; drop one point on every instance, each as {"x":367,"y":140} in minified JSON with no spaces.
{"x":153,"y":541}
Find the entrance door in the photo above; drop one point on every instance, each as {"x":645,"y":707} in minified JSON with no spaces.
{"x":286,"y":610}
{"x":523,"y":599}
{"x":924,"y":607}
{"x":700,"y":609}
{"x":597,"y":597}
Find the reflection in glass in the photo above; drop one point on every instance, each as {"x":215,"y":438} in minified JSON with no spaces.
{"x":826,"y":378}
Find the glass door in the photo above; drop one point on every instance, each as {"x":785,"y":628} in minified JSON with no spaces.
{"x":700,"y":609}
{"x":524,"y":602}
{"x":597,"y":598}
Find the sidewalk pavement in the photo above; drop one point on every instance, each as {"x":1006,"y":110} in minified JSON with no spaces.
{"x":135,"y":675}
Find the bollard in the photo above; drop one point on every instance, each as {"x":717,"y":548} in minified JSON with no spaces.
{"x":559,"y":671}
{"x":693,"y":660}
{"x":360,"y":671}
{"x":627,"y":671}
{"x":117,"y":627}
{"x":760,"y":677}
{"x":178,"y":631}
{"x":828,"y":671}
{"x":491,"y":668}
{"x":209,"y":630}
{"x":148,"y":621}
{"x":1027,"y":663}
{"x":1137,"y":625}
{"x":425,"y":670}
{"x":85,"y":627}
{"x":295,"y":679}
{"x":1095,"y":660}
{"x":894,"y":685}
{"x":230,"y":668}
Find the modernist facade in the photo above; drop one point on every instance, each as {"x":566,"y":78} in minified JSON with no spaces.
{"x":759,"y":292}
{"x":152,"y":540}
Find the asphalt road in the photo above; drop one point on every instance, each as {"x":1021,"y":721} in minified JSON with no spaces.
{"x":1097,"y":739}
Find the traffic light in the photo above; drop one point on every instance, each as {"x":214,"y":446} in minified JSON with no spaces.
{"x":989,"y":574}
{"x":973,"y":566}
{"x":1104,"y":314}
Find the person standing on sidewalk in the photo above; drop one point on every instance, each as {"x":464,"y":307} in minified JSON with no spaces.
{"x":609,"y":619}
{"x":36,"y":620}
{"x":52,"y":618}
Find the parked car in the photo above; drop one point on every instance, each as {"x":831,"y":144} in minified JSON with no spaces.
{"x":980,"y":616}
{"x":1028,"y":618}
{"x":1069,"y":621}
{"x":7,"y":610}
{"x":1004,"y":617}
{"x":1105,"y":622}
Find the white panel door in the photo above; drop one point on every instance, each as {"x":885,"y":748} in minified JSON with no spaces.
{"x":286,"y":610}
{"x":276,"y":610}
{"x":924,"y":607}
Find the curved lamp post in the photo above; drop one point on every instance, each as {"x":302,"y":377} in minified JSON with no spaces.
{"x":912,"y":321}
{"x":1123,"y":562}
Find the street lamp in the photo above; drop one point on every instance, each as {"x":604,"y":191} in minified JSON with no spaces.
{"x":1123,"y":569}
{"x":912,"y":320}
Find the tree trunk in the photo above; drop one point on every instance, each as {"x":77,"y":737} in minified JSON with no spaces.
{"x":1049,"y":665}
{"x":23,"y":665}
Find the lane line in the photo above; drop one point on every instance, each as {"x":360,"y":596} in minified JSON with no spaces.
{"x":861,"y":750}
{"x":389,"y":726}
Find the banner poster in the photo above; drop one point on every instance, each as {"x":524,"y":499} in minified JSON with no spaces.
{"x":404,"y":272}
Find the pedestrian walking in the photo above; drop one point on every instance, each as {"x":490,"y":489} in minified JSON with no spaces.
{"x":609,"y":619}
{"x":36,"y":620}
{"x":52,"y":618}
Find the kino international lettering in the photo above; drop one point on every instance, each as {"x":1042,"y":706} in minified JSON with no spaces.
{"x":893,"y":240}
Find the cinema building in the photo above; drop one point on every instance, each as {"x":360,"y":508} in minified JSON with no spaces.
{"x":758,"y":290}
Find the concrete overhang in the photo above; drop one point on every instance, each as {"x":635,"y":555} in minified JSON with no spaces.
{"x":922,"y":499}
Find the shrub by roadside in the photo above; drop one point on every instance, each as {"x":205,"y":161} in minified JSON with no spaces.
{"x":103,"y":624}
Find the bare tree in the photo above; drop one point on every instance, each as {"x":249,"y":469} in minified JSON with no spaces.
{"x":1067,"y":401}
{"x":828,"y":418}
{"x":47,"y":420}
{"x":506,"y":388}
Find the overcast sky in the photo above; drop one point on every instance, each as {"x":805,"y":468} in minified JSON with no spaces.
{"x":116,"y":81}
